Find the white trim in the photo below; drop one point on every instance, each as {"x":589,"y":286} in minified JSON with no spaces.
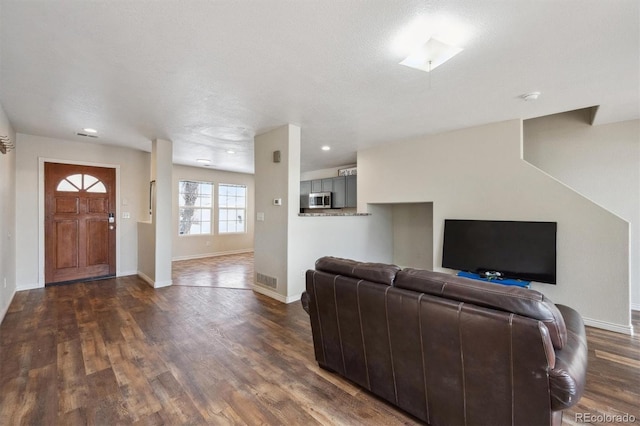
{"x":160,"y":284}
{"x":146,"y":278}
{"x":152,"y":283}
{"x":295,"y":298}
{"x":41,"y":161}
{"x":216,"y":254}
{"x":274,"y":295}
{"x":29,"y":286}
{"x":6,"y":309}
{"x":618,"y":328}
{"x":126,"y":273}
{"x":244,"y":209}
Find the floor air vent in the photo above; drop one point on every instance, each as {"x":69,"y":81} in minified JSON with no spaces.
{"x":266,"y":280}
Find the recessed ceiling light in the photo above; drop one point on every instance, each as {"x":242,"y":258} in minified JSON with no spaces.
{"x":203,"y":160}
{"x":90,"y":130}
{"x":326,"y":148}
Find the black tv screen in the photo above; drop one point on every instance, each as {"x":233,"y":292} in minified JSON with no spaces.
{"x":519,"y":250}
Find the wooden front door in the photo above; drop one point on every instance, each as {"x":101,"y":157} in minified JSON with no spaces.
{"x":80,"y":236}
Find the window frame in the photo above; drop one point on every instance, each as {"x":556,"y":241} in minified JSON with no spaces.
{"x":211,"y":208}
{"x":68,"y":184}
{"x":243,"y":208}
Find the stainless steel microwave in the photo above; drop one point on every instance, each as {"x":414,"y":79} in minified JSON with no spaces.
{"x":320,"y":200}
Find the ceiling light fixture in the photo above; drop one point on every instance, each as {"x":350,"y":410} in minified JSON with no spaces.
{"x":90,"y":130}
{"x":203,"y":160}
{"x":326,"y":148}
{"x":230,"y":151}
{"x":429,"y":41}
{"x":431,"y":55}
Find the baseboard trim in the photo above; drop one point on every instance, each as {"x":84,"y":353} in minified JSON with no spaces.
{"x":617,"y":328}
{"x":291,"y":299}
{"x":160,"y":284}
{"x":126,"y":273}
{"x":274,"y":295}
{"x":6,"y":308}
{"x":24,"y":287}
{"x":145,"y":278}
{"x":205,"y":255}
{"x":152,"y":283}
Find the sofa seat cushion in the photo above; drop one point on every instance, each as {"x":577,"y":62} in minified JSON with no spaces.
{"x":520,"y":301}
{"x":381,"y":273}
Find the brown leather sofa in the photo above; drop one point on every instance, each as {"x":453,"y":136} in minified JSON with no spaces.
{"x":446,"y":349}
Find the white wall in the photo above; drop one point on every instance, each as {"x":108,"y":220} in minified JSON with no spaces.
{"x":194,"y":246}
{"x":363,"y":238}
{"x":478,"y":173}
{"x":324,"y":173}
{"x":133,"y":196}
{"x":162,"y":205}
{"x":274,"y":180}
{"x":146,"y":252}
{"x":286,"y":244}
{"x":600,"y":162}
{"x":7,"y":219}
{"x":413,"y":235}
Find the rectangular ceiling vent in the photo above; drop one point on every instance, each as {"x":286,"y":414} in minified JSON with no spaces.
{"x":266,"y":280}
{"x":86,"y":135}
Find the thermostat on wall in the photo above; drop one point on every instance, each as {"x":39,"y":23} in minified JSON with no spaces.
{"x":277,"y":201}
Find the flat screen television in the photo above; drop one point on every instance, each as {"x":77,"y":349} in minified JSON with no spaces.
{"x":518,"y":250}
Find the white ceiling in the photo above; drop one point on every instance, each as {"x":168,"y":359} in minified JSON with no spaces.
{"x":209,"y":75}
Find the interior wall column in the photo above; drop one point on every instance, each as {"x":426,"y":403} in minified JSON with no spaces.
{"x":277,"y":203}
{"x":161,"y":172}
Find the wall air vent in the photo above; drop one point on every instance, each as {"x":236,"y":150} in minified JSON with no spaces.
{"x":266,"y":280}
{"x":87,"y":135}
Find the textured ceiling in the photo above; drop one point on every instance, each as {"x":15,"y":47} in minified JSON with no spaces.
{"x":209,"y":75}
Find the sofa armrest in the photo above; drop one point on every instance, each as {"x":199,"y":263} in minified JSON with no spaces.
{"x":567,"y":378}
{"x":304,"y":299}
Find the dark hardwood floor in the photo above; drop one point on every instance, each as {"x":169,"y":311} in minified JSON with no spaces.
{"x":229,"y":271}
{"x":119,"y":352}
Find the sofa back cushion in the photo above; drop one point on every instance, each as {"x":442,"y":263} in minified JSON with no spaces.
{"x":381,"y":273}
{"x":444,"y":361}
{"x":520,"y":301}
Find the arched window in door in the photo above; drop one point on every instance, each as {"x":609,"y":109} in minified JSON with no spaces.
{"x":81,"y":182}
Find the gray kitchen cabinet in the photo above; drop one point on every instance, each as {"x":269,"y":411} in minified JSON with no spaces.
{"x":305,"y":187}
{"x":327,"y":185}
{"x":339,"y":192}
{"x":316,"y":185}
{"x":344,"y":190}
{"x":305,"y":190}
{"x":352,"y":191}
